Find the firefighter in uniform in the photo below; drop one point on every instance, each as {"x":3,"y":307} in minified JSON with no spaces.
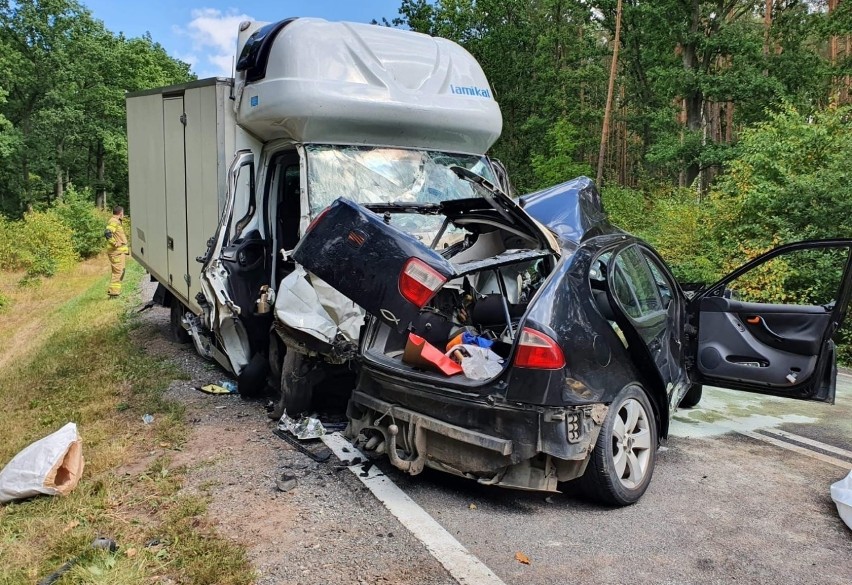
{"x":117,"y":250}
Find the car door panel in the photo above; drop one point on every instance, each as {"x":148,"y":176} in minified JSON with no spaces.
{"x":780,"y":349}
{"x":734,"y":348}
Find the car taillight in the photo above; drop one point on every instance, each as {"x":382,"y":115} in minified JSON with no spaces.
{"x":418,"y":282}
{"x":537,"y":350}
{"x":317,"y":219}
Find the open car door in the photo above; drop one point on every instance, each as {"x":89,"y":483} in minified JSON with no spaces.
{"x":768,"y":326}
{"x":236,"y":266}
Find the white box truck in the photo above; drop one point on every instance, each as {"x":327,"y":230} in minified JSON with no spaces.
{"x":226,"y":175}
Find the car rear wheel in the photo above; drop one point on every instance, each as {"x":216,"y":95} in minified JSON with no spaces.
{"x":622,"y":463}
{"x":692,"y":396}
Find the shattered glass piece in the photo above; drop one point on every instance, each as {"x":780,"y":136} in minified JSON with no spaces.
{"x":303,"y":429}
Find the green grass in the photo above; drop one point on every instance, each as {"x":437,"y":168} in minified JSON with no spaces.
{"x":86,"y":369}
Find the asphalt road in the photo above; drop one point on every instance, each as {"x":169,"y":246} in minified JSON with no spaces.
{"x":723,"y":506}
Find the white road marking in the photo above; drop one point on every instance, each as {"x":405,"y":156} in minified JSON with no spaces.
{"x":795,"y":448}
{"x":807,"y":441}
{"x":459,"y":562}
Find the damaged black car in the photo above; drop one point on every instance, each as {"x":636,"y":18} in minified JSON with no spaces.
{"x":527,"y":342}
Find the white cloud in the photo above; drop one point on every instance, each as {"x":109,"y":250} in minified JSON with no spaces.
{"x":213,"y":35}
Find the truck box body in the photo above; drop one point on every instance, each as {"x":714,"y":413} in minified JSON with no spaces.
{"x":180,"y":142}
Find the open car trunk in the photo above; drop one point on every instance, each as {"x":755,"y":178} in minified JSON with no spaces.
{"x":467,"y":283}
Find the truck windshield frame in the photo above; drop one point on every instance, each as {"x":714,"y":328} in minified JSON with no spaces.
{"x":389,"y":176}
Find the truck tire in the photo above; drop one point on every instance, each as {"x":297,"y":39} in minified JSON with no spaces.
{"x":251,"y":383}
{"x":622,"y":463}
{"x":692,"y":396}
{"x":176,"y":330}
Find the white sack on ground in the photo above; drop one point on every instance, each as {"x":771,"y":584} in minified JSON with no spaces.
{"x":50,"y":466}
{"x":841,"y":493}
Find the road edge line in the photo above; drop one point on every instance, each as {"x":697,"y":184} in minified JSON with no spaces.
{"x":795,"y":448}
{"x":461,"y":564}
{"x":807,"y":441}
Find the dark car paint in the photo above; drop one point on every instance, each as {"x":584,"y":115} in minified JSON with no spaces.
{"x":572,"y":210}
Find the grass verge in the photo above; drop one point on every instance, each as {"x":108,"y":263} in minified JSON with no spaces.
{"x":81,"y":365}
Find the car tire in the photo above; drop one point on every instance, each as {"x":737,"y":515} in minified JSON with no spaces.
{"x":622,"y":463}
{"x":692,"y":396}
{"x":296,"y":393}
{"x":251,"y":383}
{"x":176,"y":330}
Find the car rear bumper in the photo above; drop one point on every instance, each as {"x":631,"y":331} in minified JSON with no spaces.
{"x":513,"y":445}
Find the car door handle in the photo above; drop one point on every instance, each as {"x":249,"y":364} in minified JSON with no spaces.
{"x":756,"y":320}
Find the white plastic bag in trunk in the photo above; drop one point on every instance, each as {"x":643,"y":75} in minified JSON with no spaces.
{"x":51,"y":466}
{"x":841,"y":493}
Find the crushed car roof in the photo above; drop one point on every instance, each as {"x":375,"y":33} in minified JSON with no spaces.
{"x":572,"y":210}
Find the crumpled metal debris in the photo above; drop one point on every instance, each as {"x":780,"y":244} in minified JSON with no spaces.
{"x":303,"y":429}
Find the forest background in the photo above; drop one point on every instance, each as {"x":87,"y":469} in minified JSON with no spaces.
{"x":731,"y":126}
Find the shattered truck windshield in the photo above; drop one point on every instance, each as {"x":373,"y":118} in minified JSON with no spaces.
{"x":374,"y":175}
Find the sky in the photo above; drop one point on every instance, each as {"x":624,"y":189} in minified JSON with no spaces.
{"x":203,"y":32}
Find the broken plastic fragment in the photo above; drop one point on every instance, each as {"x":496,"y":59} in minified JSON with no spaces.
{"x":217,"y":389}
{"x":419,"y":352}
{"x":522,"y":558}
{"x":303,"y":429}
{"x":147,"y":419}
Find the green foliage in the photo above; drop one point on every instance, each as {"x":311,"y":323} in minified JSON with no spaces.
{"x":558,"y":162}
{"x":63,"y":77}
{"x":46,"y":243}
{"x":5,"y":303}
{"x":627,"y":208}
{"x":789,"y":181}
{"x":86,"y":222}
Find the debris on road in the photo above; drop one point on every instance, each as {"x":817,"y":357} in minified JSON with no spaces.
{"x":522,"y":558}
{"x":472,"y":506}
{"x":216,"y":389}
{"x":303,"y":429}
{"x":286,"y":482}
{"x":320,"y":455}
{"x":147,"y":419}
{"x":841,"y":493}
{"x":50,"y":466}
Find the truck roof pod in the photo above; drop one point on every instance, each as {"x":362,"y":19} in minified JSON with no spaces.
{"x":309,"y":80}
{"x":255,"y":54}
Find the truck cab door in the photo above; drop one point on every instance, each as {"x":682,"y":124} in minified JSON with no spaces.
{"x":236,"y":267}
{"x":768,"y":326}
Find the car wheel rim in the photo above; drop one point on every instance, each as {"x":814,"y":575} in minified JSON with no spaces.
{"x":631,"y":443}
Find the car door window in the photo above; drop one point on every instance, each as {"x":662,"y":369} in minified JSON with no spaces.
{"x":633,"y":285}
{"x":810,"y":277}
{"x":664,"y":285}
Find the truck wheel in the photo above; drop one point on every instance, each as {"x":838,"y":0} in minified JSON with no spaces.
{"x":692,"y":396}
{"x":176,"y":330}
{"x":622,"y":463}
{"x":296,"y":386}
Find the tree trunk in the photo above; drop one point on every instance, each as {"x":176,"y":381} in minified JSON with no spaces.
{"x":694,"y":98}
{"x":101,"y":198}
{"x":611,"y":88}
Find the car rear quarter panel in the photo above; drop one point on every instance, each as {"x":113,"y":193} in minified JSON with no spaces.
{"x":597,"y":366}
